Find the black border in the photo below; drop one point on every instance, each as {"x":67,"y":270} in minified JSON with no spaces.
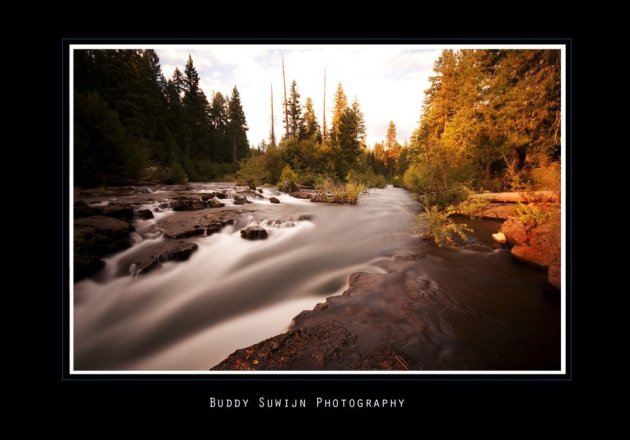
{"x":186,"y":390}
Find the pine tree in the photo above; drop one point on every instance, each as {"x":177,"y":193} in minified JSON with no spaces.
{"x":311,"y":127}
{"x":295,"y":122}
{"x":359,"y":121}
{"x":340,"y":105}
{"x":237,"y":128}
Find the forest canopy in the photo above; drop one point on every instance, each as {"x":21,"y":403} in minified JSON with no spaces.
{"x":490,"y":120}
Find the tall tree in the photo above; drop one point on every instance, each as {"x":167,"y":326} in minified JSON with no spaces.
{"x":272,"y":135}
{"x":360,"y":122}
{"x":324,"y":110}
{"x":237,"y":128}
{"x":340,"y":105}
{"x":311,"y":127}
{"x":286,"y":109}
{"x":197,"y":129}
{"x":295,"y":121}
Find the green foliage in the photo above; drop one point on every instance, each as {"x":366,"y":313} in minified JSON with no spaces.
{"x":103,"y":147}
{"x":485,"y":107}
{"x":332,"y":192}
{"x":440,"y":227}
{"x":128,"y":117}
{"x":288,"y":181}
{"x":175,"y":174}
{"x":472,"y":207}
{"x":366,"y":178}
{"x":530,"y":214}
{"x":253,"y":170}
{"x":547,"y":176}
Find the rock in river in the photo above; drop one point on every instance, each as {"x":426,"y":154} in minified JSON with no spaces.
{"x":144,"y":214}
{"x":187,"y":205}
{"x":240,"y":200}
{"x":96,"y":237}
{"x":254,"y":233}
{"x":274,"y":200}
{"x":150,"y":258}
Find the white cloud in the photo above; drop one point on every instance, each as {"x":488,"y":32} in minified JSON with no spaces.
{"x":389,"y":81}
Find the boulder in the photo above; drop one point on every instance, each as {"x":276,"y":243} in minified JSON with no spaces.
{"x":274,"y":200}
{"x":499,"y":237}
{"x":144,"y":214}
{"x":220,"y":195}
{"x":214,"y":203}
{"x":541,"y":251}
{"x":240,"y":200}
{"x":118,"y":210}
{"x":150,"y":258}
{"x":187,"y":205}
{"x":96,"y":237}
{"x":254,"y":233}
{"x":82,"y":209}
{"x":251,"y":186}
{"x":515,"y":232}
{"x":260,"y":190}
{"x":192,"y":223}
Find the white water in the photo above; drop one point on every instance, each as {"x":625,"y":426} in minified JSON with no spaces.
{"x":232,"y":293}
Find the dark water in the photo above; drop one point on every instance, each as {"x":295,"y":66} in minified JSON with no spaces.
{"x":233,"y":293}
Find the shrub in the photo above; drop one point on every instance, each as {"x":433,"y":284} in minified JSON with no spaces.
{"x":441,"y":228}
{"x":331,"y":192}
{"x":288,"y":181}
{"x":253,"y":171}
{"x":367,"y":178}
{"x":547,"y":176}
{"x":472,"y":207}
{"x":175,"y":174}
{"x":530,"y":215}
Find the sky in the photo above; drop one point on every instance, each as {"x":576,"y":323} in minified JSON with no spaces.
{"x":388,"y":80}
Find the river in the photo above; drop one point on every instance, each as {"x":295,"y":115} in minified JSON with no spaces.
{"x":233,"y":293}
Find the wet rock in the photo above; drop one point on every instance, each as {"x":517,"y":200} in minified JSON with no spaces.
{"x":541,"y":250}
{"x":554,"y":275}
{"x":308,"y":217}
{"x":302,"y":349}
{"x":515,"y":232}
{"x":260,"y":190}
{"x":187,"y":205}
{"x":96,"y":237}
{"x":240,"y":200}
{"x":220,"y":195}
{"x":118,"y":210}
{"x":192,"y":223}
{"x":251,"y":186}
{"x":82,"y":209}
{"x":254,"y":233}
{"x":85,"y":265}
{"x":144,"y":214}
{"x":214,"y":203}
{"x":274,"y":200}
{"x":251,"y":194}
{"x":151,"y":258}
{"x":164,"y":205}
{"x":499,"y":237}
{"x":302,"y":195}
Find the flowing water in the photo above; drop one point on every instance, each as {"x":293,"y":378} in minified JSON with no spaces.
{"x":233,"y":293}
